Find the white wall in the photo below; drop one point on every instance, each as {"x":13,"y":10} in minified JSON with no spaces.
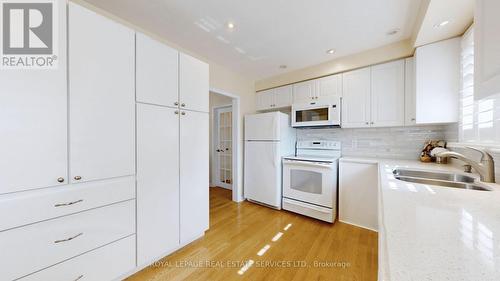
{"x":215,"y":101}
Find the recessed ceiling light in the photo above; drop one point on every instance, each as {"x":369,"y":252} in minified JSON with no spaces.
{"x":393,"y":31}
{"x":230,"y":25}
{"x":331,"y":51}
{"x":283,"y":66}
{"x":441,"y":24}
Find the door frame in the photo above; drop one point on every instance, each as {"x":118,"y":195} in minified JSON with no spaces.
{"x":215,"y":139}
{"x":237,"y":152}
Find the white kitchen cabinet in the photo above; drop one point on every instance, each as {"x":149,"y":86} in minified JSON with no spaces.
{"x":101,"y":96}
{"x":486,"y":48}
{"x":33,"y":123}
{"x":157,"y":182}
{"x":356,"y":101}
{"x":388,"y":94}
{"x":157,"y":72}
{"x":438,"y":82}
{"x":329,"y":86}
{"x":265,"y":99}
{"x":193,"y":175}
{"x":283,"y":97}
{"x":410,"y":98}
{"x":304,"y":92}
{"x":274,"y":98}
{"x":193,"y":84}
{"x":358,"y":193}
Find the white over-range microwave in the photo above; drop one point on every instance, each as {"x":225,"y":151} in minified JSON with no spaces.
{"x":317,"y":113}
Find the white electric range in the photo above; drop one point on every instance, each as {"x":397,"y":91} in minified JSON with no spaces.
{"x":310,"y":179}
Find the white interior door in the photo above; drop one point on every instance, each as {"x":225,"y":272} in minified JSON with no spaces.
{"x":157,"y":181}
{"x":102,"y":96}
{"x":33,"y":123}
{"x":194,"y":167}
{"x":223,"y":147}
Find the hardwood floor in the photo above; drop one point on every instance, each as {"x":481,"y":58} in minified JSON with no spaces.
{"x":307,"y":250}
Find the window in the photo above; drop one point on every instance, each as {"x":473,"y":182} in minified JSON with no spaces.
{"x":477,"y":118}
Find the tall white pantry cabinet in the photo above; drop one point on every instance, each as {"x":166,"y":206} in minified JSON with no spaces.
{"x":104,"y":158}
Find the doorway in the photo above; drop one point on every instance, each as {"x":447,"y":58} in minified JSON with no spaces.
{"x":224,"y":144}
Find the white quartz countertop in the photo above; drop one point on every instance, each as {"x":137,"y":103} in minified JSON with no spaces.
{"x":436,"y":233}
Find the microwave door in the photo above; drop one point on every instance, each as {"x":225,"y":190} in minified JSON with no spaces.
{"x":312,"y":116}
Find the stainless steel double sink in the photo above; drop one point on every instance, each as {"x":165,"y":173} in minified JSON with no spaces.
{"x":443,"y":179}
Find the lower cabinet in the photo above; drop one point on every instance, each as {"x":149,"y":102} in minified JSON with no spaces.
{"x":358,"y":193}
{"x":37,"y":246}
{"x":107,"y":263}
{"x":172,"y":179}
{"x":157,"y":182}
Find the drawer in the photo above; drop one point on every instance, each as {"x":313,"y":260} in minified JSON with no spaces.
{"x":43,"y":204}
{"x":107,"y":263}
{"x":28,"y":249}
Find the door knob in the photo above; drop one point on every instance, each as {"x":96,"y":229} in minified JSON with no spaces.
{"x":183,"y":113}
{"x":367,"y":123}
{"x":176,"y":112}
{"x":176,"y":103}
{"x":77,"y":178}
{"x":60,"y":179}
{"x":183,"y":104}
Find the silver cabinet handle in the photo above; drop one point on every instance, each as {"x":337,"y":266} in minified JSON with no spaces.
{"x":372,"y":123}
{"x":60,"y":179}
{"x":176,"y":103}
{"x":413,"y":119}
{"x":367,"y":123}
{"x":183,"y":113}
{"x":69,"y":239}
{"x":77,"y":178}
{"x":78,"y":278}
{"x":176,"y":112}
{"x":69,"y":203}
{"x":183,"y":104}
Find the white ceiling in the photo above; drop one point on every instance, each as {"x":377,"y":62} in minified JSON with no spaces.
{"x":270,"y":33}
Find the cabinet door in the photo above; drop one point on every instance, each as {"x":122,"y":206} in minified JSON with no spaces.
{"x":283,"y":96}
{"x":193,"y":175}
{"x":388,"y":94}
{"x":304,"y":92}
{"x":193,"y":83}
{"x":102,"y":99}
{"x":157,"y":72}
{"x":157,"y":181}
{"x":330,"y":86}
{"x":437,"y":83}
{"x":358,"y":194}
{"x":265,"y":99}
{"x":33,"y":123}
{"x":410,"y":103}
{"x":356,"y":98}
{"x":487,"y":48}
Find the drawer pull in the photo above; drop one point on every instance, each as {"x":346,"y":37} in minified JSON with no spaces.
{"x":68,"y":204}
{"x":69,"y":239}
{"x":79,"y":277}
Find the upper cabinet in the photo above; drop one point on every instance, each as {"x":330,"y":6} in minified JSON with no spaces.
{"x":487,"y":48}
{"x":322,"y":88}
{"x":274,"y":98}
{"x":356,"y":102}
{"x":157,"y":72}
{"x":438,"y":82}
{"x":33,"y":123}
{"x":410,"y":98}
{"x":101,"y":96}
{"x":193,"y":84}
{"x":388,"y":94}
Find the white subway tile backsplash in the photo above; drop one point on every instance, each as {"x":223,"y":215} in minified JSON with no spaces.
{"x":392,"y":143}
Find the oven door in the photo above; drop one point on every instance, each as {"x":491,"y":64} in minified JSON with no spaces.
{"x":312,"y":114}
{"x":311,"y":182}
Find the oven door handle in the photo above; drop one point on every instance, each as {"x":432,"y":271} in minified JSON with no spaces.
{"x":309,"y":163}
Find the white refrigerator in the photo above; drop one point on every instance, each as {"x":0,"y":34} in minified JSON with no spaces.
{"x":268,"y":137}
